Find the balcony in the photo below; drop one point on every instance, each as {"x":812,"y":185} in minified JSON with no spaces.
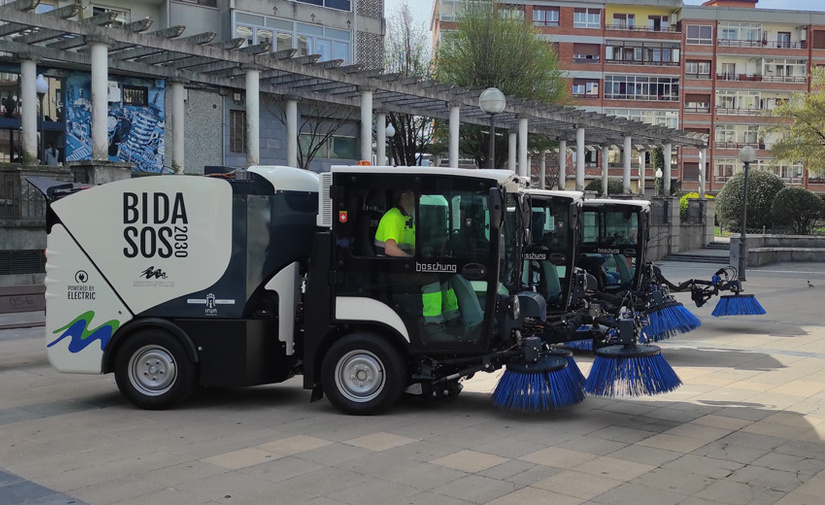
{"x":697,"y":110}
{"x":762,"y":78}
{"x":762,"y":43}
{"x":739,"y":111}
{"x":637,"y":28}
{"x":697,"y":76}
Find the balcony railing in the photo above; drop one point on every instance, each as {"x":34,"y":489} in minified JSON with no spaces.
{"x":698,"y":110}
{"x":739,"y":111}
{"x":643,"y":62}
{"x":736,"y":145}
{"x":697,"y":76}
{"x":642,"y":28}
{"x":762,"y":43}
{"x":762,"y":78}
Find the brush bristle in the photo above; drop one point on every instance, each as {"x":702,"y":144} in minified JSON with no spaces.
{"x":581,"y":345}
{"x":630,"y":374}
{"x":738,"y":305}
{"x":538,"y":392}
{"x":669,"y":321}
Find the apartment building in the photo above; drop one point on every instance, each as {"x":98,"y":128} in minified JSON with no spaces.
{"x":349,"y":30}
{"x":718,"y":69}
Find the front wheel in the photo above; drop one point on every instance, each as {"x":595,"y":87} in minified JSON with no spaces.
{"x":363,"y":374}
{"x":153,"y":371}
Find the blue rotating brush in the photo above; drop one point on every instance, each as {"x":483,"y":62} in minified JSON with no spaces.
{"x":537,"y":382}
{"x":630,"y":369}
{"x":668,"y":318}
{"x":572,"y":367}
{"x":737,"y":305}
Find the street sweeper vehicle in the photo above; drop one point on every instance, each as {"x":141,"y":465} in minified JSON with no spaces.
{"x":179,"y":282}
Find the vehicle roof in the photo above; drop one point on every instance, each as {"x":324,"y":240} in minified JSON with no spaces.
{"x":502,"y":177}
{"x":285,"y":178}
{"x":644,"y":204}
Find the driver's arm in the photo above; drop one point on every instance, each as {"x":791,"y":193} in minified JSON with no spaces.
{"x":391,"y":249}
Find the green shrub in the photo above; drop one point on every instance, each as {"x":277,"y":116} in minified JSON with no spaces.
{"x":615,"y":186}
{"x":798,"y":208}
{"x":762,"y":188}
{"x":683,"y":203}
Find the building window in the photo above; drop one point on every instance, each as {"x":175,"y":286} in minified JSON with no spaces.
{"x":508,"y":11}
{"x":341,"y":5}
{"x":586,"y":88}
{"x":697,"y":69}
{"x":136,"y":95}
{"x":237,"y":131}
{"x":336,"y":146}
{"x":633,"y":87}
{"x":586,"y":53}
{"x":587,"y":18}
{"x":545,"y":16}
{"x":818,"y":39}
{"x":697,"y":102}
{"x":700,"y":35}
{"x":330,"y":43}
{"x":658,"y":23}
{"x":122,"y":18}
{"x":668,"y":118}
{"x":642,"y":53}
{"x":451,"y":10}
{"x":741,"y":34}
{"x":623,"y":21}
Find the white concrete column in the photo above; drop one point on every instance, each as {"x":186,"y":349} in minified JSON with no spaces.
{"x":523,"y":165}
{"x":253,"y":116}
{"x":562,"y":164}
{"x":668,"y":151}
{"x":543,"y":170}
{"x":29,"y":112}
{"x":100,"y":101}
{"x":642,"y":172}
{"x":703,"y":157}
{"x":580,"y":159}
{"x":292,"y":132}
{"x":366,"y":124}
{"x":381,"y":139}
{"x":626,"y":151}
{"x":605,"y":166}
{"x":177,"y":95}
{"x":454,"y":129}
{"x":511,"y":151}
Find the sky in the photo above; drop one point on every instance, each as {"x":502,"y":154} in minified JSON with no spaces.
{"x":422,"y":9}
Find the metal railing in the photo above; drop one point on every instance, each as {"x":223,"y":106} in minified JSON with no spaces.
{"x":19,"y":200}
{"x":762,"y":43}
{"x":642,"y":28}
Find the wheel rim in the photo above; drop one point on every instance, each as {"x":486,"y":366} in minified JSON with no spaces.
{"x":359,"y":376}
{"x":152,"y":370}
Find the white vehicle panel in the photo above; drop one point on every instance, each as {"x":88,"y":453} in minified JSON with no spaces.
{"x":82,"y":311}
{"x":153,"y":238}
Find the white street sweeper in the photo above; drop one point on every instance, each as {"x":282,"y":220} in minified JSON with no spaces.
{"x":179,"y":282}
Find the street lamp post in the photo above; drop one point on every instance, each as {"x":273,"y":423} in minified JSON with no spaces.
{"x":658,"y":182}
{"x":390,"y":132}
{"x":492,"y":101}
{"x":42,"y":87}
{"x":747,"y":155}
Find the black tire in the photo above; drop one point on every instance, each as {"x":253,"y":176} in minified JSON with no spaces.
{"x":153,"y":371}
{"x":363,"y":374}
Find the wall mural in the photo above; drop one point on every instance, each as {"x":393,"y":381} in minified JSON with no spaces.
{"x":135,"y":123}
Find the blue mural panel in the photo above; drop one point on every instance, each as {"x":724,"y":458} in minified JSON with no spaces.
{"x":135,"y":132}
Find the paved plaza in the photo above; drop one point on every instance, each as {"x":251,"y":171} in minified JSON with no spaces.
{"x":747,"y":427}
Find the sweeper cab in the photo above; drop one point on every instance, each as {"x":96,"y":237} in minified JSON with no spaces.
{"x":179,"y":282}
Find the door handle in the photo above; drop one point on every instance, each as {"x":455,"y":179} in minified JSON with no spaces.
{"x":474,"y":271}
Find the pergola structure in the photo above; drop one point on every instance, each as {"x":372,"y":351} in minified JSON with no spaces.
{"x":197,"y":61}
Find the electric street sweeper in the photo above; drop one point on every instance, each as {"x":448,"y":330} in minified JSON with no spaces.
{"x":176,"y":282}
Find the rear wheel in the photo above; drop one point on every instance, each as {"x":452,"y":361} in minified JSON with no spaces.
{"x":153,"y":371}
{"x":363,"y":374}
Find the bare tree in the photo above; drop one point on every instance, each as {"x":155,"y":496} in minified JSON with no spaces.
{"x":318,"y":122}
{"x":407,"y":51}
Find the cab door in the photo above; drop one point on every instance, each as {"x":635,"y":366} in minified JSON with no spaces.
{"x":444,"y":293}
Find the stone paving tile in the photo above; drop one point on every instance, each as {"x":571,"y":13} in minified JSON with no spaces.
{"x":701,"y":465}
{"x":322,"y":481}
{"x":476,"y":489}
{"x":578,"y":484}
{"x":294,"y":445}
{"x":469,"y":461}
{"x":677,"y":481}
{"x":380,"y":441}
{"x":799,"y":499}
{"x":735,"y":493}
{"x":638,"y":495}
{"x":646,"y":455}
{"x":535,"y":495}
{"x":120,"y":489}
{"x":374,"y":492}
{"x":281,"y":469}
{"x":429,"y":498}
{"x":559,"y":458}
{"x":241,"y":458}
{"x":424,"y":476}
{"x":521,"y":473}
